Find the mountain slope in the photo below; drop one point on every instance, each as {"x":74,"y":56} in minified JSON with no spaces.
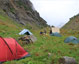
{"x":8,"y":28}
{"x":73,"y":23}
{"x":23,"y":12}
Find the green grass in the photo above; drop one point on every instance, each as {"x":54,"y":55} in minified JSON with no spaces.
{"x":44,"y":45}
{"x":48,"y":44}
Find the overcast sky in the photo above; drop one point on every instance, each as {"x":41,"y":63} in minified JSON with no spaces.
{"x":56,"y":12}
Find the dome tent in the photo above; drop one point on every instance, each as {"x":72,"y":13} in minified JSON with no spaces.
{"x":56,"y":34}
{"x":25,"y":31}
{"x":11,"y":50}
{"x":28,"y":35}
{"x":71,"y":39}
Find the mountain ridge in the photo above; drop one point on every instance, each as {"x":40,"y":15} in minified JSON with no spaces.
{"x":73,"y":23}
{"x":23,"y":12}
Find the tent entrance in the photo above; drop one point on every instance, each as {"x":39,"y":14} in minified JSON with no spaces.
{"x":27,"y":33}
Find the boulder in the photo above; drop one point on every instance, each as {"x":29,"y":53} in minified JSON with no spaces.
{"x":67,"y":60}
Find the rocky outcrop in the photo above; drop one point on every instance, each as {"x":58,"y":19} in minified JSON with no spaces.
{"x":23,"y":12}
{"x":73,"y":23}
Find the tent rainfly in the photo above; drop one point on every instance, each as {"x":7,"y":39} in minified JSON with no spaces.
{"x":71,"y":39}
{"x":11,"y":50}
{"x":56,"y":34}
{"x":25,"y":31}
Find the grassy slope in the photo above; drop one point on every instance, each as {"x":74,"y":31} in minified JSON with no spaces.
{"x":40,"y":49}
{"x":73,"y":23}
{"x":7,"y":26}
{"x":48,"y":44}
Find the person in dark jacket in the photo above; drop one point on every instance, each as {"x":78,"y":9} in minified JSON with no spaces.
{"x":50,"y":31}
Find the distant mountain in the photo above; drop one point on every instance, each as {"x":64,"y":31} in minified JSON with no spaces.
{"x":23,"y":12}
{"x":73,"y":23}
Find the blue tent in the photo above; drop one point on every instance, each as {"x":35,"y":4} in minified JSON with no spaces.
{"x":25,"y":31}
{"x":56,"y":34}
{"x":71,"y":39}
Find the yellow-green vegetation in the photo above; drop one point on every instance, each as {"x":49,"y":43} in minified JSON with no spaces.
{"x":73,"y":23}
{"x":46,"y":50}
{"x":8,"y":27}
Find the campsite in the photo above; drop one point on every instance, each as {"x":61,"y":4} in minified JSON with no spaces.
{"x":28,"y":38}
{"x":47,"y":49}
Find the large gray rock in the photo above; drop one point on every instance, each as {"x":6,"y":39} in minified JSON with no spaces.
{"x":67,"y":60}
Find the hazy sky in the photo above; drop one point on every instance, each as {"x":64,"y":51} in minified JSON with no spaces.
{"x":56,"y":12}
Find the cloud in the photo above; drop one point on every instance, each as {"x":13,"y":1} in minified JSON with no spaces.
{"x":56,"y":12}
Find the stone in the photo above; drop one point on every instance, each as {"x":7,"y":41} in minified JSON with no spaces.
{"x":67,"y":60}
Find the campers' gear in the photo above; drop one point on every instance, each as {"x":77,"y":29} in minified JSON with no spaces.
{"x":11,"y":50}
{"x":71,"y":39}
{"x":55,"y":29}
{"x":41,"y":32}
{"x":25,"y":31}
{"x":33,"y":38}
{"x":56,"y":34}
{"x":28,"y":39}
{"x":24,"y":40}
{"x":44,"y":31}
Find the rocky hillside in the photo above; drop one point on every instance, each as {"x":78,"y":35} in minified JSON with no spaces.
{"x":73,"y":23}
{"x":23,"y":12}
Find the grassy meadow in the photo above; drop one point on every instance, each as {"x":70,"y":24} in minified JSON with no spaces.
{"x":46,"y":50}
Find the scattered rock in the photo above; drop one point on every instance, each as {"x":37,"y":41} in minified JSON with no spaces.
{"x":46,"y":50}
{"x":49,"y":54}
{"x":67,"y":60}
{"x":36,"y":54}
